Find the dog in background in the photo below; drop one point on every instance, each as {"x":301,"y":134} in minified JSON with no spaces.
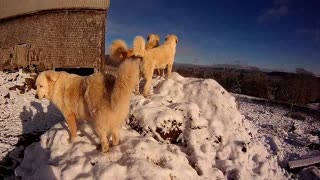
{"x":101,"y":99}
{"x":161,"y":57}
{"x":119,"y":50}
{"x":153,"y":41}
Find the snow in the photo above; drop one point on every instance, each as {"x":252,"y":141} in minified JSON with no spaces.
{"x":188,"y":129}
{"x":287,"y":138}
{"x":137,"y":157}
{"x":21,"y":117}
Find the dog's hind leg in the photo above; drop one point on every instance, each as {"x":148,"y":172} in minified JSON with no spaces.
{"x":162,"y":75}
{"x":137,"y":89}
{"x":169,"y":70}
{"x":72,"y":124}
{"x":115,"y":137}
{"x":148,"y":77}
{"x":102,"y":134}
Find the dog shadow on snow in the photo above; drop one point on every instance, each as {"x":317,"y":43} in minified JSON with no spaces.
{"x":34,"y":123}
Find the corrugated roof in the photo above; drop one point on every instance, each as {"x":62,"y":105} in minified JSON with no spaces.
{"x":11,"y":8}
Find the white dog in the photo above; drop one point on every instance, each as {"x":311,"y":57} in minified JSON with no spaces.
{"x":119,"y":50}
{"x":99,"y":99}
{"x":161,"y":57}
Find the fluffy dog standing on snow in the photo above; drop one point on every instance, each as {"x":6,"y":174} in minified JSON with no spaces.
{"x":153,"y":41}
{"x":161,"y":57}
{"x":119,"y":50}
{"x":100,"y":99}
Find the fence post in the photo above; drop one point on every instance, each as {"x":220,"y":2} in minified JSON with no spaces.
{"x":291,"y":109}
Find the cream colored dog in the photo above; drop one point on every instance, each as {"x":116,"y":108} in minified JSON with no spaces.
{"x":119,"y":50}
{"x":100,"y":99}
{"x":161,"y":57}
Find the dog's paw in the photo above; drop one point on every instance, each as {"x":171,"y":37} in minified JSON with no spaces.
{"x":105,"y":148}
{"x":115,"y":142}
{"x":146,"y":95}
{"x":71,"y":140}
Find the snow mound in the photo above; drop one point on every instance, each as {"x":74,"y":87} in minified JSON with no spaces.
{"x":136,"y":157}
{"x":188,"y":129}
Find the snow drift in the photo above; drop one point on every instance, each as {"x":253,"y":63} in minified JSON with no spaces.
{"x":188,"y":129}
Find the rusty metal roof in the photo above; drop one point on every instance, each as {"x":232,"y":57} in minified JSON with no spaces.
{"x":11,"y":8}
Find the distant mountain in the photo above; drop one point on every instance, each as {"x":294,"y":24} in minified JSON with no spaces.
{"x":274,"y":72}
{"x":235,"y":66}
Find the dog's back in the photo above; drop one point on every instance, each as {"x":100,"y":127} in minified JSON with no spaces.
{"x":162,"y":55}
{"x":97,"y":88}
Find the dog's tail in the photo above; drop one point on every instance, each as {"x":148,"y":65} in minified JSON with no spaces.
{"x":139,"y":46}
{"x":127,"y":78}
{"x":118,"y":50}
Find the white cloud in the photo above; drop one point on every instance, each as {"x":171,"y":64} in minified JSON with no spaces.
{"x":274,"y":13}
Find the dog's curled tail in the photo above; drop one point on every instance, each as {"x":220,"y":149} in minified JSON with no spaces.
{"x":139,"y":46}
{"x":118,"y":50}
{"x":127,"y":77}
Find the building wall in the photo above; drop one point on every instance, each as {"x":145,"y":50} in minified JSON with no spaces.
{"x":12,"y":8}
{"x":60,"y":38}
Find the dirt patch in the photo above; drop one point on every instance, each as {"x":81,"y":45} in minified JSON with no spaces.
{"x":30,"y":83}
{"x":171,"y":136}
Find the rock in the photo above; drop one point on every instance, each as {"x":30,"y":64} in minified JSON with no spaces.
{"x":304,"y":162}
{"x":310,"y":173}
{"x":7,"y":96}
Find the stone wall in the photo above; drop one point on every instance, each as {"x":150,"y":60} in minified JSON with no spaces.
{"x":60,"y":38}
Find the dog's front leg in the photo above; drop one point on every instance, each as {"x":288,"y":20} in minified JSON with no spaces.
{"x":169,"y":70}
{"x":72,"y":124}
{"x":146,"y":87}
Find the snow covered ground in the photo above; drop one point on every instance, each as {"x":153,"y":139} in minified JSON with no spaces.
{"x":188,"y":129}
{"x":287,"y":137}
{"x":22,"y":119}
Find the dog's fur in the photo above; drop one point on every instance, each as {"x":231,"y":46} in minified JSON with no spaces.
{"x":161,"y":57}
{"x":153,"y":41}
{"x":119,"y":50}
{"x":100,"y":99}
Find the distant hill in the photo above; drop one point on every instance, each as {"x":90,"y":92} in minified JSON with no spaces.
{"x":300,"y":87}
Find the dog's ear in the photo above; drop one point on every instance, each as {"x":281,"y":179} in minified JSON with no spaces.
{"x":148,"y":38}
{"x":52,"y":76}
{"x":176,"y":39}
{"x":167,"y":37}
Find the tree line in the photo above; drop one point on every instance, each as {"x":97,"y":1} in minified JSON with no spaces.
{"x":298,"y":88}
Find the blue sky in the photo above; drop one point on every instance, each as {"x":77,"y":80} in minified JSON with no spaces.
{"x":273,"y":34}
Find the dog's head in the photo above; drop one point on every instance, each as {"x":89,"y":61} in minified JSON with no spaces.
{"x":172,"y":38}
{"x":44,"y":84}
{"x":118,"y":50}
{"x":153,"y":37}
